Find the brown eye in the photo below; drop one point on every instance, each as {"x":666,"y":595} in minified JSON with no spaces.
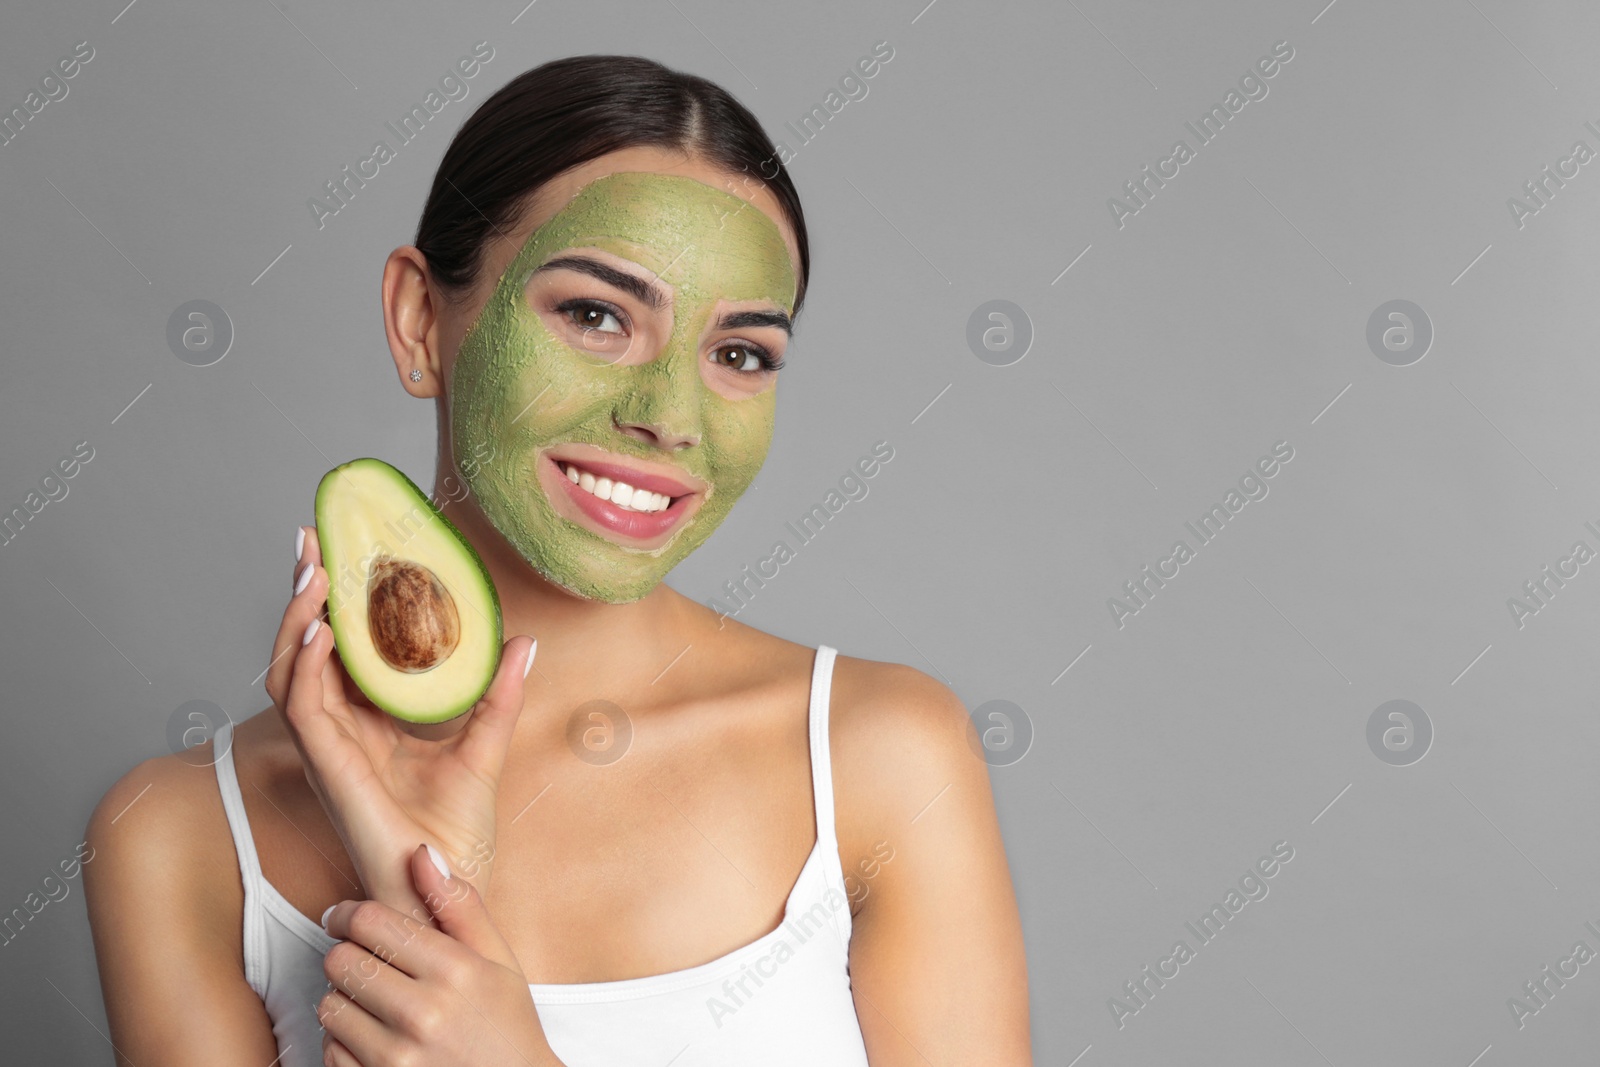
{"x":593,"y":317}
{"x":745,"y":358}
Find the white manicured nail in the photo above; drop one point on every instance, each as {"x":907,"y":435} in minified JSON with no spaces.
{"x":326,"y":914}
{"x":311,"y":631}
{"x":299,"y":542}
{"x":303,"y":580}
{"x":438,"y":861}
{"x":528,"y":666}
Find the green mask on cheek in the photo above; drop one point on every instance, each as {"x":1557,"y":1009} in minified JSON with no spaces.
{"x":517,"y":389}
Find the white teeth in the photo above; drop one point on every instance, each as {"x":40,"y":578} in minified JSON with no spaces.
{"x":621,"y":494}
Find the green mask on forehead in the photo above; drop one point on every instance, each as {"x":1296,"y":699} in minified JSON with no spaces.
{"x":516,"y":388}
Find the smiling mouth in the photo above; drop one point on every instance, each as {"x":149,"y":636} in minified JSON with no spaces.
{"x":635,"y":505}
{"x":620,"y":493}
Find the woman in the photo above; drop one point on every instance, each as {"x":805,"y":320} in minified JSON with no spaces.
{"x":795,"y":858}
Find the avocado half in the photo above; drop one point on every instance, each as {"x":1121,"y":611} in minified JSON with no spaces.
{"x":414,"y":613}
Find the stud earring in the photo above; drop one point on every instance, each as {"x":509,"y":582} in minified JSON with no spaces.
{"x":416,"y":375}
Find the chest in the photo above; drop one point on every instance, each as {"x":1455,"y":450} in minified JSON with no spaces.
{"x":648,"y":873}
{"x":654,"y":863}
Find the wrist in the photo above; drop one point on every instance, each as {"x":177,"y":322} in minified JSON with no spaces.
{"x":392,"y":885}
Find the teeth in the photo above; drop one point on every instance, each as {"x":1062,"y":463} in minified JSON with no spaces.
{"x":621,"y":494}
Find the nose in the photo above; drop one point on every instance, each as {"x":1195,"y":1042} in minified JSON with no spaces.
{"x":657,"y":434}
{"x":662,"y":407}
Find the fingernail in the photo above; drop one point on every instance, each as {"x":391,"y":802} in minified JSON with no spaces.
{"x":299,"y":542}
{"x":325,"y":918}
{"x":303,"y":579}
{"x":528,"y":666}
{"x":438,"y":861}
{"x":311,"y":631}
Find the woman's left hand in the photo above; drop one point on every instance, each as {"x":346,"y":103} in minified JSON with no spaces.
{"x":406,"y":993}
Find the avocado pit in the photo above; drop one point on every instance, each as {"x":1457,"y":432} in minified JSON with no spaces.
{"x":413,"y":617}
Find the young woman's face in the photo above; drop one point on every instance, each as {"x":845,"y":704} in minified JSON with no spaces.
{"x":629,"y":342}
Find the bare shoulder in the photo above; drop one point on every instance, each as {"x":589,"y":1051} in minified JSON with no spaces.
{"x":160,"y":840}
{"x":870,"y":695}
{"x":935,"y":918}
{"x":900,"y":748}
{"x":166,"y":906}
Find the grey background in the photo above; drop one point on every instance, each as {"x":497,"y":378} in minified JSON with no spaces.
{"x":1227,"y":315}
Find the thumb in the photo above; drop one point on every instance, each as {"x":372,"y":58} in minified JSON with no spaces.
{"x":458,"y":907}
{"x":487,"y":735}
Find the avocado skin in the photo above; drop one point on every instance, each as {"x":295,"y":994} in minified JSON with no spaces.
{"x":342,"y":638}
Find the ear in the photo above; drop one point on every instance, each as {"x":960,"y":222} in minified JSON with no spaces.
{"x":411,"y":319}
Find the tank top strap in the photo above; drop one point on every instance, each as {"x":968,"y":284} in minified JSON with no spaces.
{"x":254,"y":933}
{"x":821,"y":761}
{"x":822,"y":780}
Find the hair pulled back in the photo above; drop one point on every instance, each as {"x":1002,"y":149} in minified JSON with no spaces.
{"x":566,"y":112}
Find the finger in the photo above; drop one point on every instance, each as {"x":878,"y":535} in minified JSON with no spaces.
{"x":310,"y":550}
{"x":304,"y":707}
{"x":334,"y":1054}
{"x":335,"y":679}
{"x":303,"y":606}
{"x":362,"y":1035}
{"x":488,"y":734}
{"x":371,"y":979}
{"x":458,"y":908}
{"x":407,"y":944}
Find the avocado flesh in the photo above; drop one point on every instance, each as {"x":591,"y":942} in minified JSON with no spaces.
{"x":415,"y":616}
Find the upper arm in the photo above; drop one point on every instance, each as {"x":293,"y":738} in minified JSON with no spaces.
{"x":165,"y":906}
{"x":936,"y":953}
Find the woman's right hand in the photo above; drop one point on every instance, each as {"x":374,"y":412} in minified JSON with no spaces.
{"x":385,"y":789}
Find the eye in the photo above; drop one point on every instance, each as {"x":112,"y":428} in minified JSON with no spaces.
{"x":591,"y":315}
{"x":745,"y":358}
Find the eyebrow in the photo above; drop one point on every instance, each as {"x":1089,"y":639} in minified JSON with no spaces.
{"x":651,"y":295}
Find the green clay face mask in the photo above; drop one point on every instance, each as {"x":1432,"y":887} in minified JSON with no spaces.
{"x":517,"y":388}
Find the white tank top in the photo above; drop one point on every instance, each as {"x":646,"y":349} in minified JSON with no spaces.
{"x":782,"y":999}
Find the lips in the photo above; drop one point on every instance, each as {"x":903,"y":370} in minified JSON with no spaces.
{"x":619,"y":493}
{"x":634,"y":525}
{"x":639,"y":479}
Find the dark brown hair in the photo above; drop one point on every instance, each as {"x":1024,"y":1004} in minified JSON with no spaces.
{"x":566,"y":112}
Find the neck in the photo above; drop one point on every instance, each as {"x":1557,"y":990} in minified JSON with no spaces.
{"x":587,"y":648}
